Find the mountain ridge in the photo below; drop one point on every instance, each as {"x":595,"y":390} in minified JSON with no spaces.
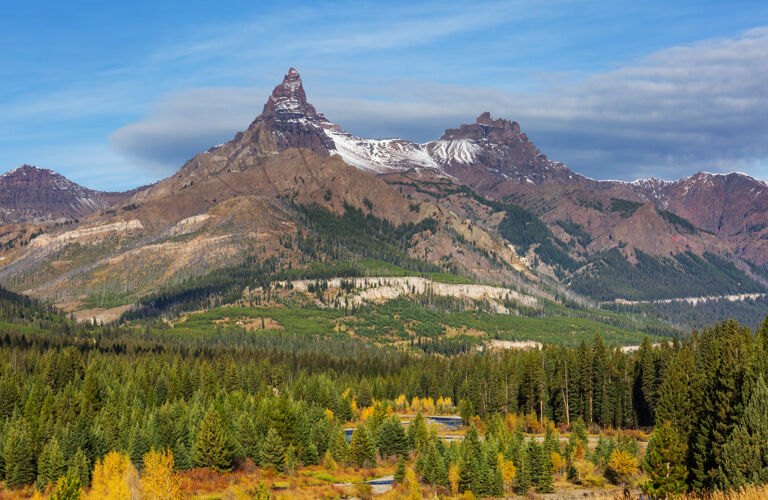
{"x":481,"y":201}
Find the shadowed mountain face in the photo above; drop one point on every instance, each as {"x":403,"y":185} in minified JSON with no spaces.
{"x":482,"y":201}
{"x":31,"y":194}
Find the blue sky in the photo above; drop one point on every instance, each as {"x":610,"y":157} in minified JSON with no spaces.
{"x":118,"y":94}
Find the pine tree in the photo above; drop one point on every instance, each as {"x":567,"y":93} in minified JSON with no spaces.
{"x":248,"y":438}
{"x":745,"y":453}
{"x":139,"y":445}
{"x":644,"y":384}
{"x":338,"y":445}
{"x":481,"y":477}
{"x":213,"y":449}
{"x":541,"y":474}
{"x":600,"y":372}
{"x":50,"y":464}
{"x":273,"y":452}
{"x":467,"y":468}
{"x":497,"y":481}
{"x":19,"y":458}
{"x":391,"y":438}
{"x":362,"y":450}
{"x":291,"y":457}
{"x":679,"y":393}
{"x":523,"y":475}
{"x":80,"y":467}
{"x":309,"y":455}
{"x":664,"y":463}
{"x":722,"y":359}
{"x":400,"y":470}
{"x":417,"y":432}
{"x":431,"y":464}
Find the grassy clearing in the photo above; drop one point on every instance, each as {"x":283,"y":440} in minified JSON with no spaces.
{"x":401,"y":319}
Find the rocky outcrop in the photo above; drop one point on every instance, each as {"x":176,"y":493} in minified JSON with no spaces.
{"x":378,"y":289}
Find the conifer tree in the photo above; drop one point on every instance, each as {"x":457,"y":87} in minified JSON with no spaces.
{"x":721,"y":360}
{"x":679,"y":393}
{"x":138,"y":446}
{"x":248,"y":438}
{"x":400,"y":470}
{"x":497,"y":481}
{"x":309,"y":454}
{"x":523,"y":474}
{"x":213,"y":449}
{"x":391,"y":438}
{"x":745,"y":453}
{"x":183,"y":457}
{"x":50,"y":464}
{"x":467,"y":468}
{"x":291,"y":457}
{"x":80,"y":467}
{"x":328,"y":462}
{"x":338,"y":445}
{"x":19,"y":458}
{"x":431,"y":466}
{"x":664,"y":463}
{"x":540,"y":468}
{"x":362,"y":450}
{"x":273,"y":452}
{"x":417,"y":432}
{"x":644,"y":384}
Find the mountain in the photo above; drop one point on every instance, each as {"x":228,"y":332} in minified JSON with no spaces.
{"x":294,"y":193}
{"x":31,"y":194}
{"x":482,"y":150}
{"x":495,"y":158}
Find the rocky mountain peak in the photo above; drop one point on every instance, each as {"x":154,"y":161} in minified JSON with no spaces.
{"x":486,"y":128}
{"x":29,"y":173}
{"x":29,"y":193}
{"x":509,"y":126}
{"x":288,"y":100}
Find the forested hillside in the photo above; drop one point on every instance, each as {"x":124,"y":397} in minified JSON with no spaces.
{"x":68,"y":400}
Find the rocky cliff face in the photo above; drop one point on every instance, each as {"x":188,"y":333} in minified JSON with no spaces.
{"x":31,"y":194}
{"x":499,"y":151}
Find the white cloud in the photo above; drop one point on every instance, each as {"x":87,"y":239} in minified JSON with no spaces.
{"x":185,"y":123}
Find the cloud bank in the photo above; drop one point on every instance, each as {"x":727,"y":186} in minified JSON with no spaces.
{"x":676,"y":111}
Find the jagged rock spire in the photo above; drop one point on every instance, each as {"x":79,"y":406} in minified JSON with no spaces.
{"x":288,"y":99}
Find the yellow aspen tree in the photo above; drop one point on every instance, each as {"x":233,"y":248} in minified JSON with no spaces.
{"x":508,"y":472}
{"x":454,"y":476}
{"x":114,"y":478}
{"x":160,"y":481}
{"x":623,"y":465}
{"x":412,"y":485}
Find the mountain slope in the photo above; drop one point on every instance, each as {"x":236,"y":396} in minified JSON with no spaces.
{"x":31,"y":194}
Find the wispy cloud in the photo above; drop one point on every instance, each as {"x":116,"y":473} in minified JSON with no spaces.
{"x":405,"y":27}
{"x":185,"y":123}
